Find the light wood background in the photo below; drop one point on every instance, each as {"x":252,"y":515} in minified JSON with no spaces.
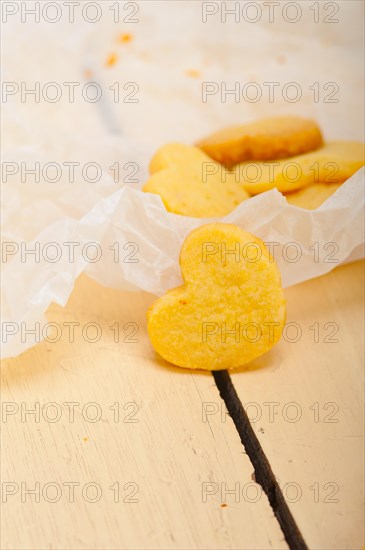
{"x":172,"y":439}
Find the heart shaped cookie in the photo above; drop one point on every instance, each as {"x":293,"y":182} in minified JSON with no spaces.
{"x":191,"y":183}
{"x":231,"y":308}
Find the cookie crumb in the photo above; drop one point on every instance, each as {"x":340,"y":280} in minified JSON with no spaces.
{"x":125,"y":37}
{"x":281,"y":59}
{"x":111,"y":60}
{"x":193,"y":73}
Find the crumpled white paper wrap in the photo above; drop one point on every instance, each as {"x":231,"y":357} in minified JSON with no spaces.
{"x":170,"y":108}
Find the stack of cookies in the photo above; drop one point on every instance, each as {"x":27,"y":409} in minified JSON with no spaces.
{"x":229,"y":166}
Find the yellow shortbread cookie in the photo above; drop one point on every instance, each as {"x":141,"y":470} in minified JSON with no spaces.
{"x":192,"y":184}
{"x":313,"y":196}
{"x":333,"y":163}
{"x":266,"y":139}
{"x":231,"y":308}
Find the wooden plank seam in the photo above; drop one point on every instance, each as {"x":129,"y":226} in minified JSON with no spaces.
{"x":263,"y":472}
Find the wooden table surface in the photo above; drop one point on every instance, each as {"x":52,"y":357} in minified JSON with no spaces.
{"x":105,"y":446}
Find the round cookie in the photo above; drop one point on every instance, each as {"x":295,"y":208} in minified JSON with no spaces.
{"x":266,"y":139}
{"x":335,"y":162}
{"x":231,"y":308}
{"x":313,"y":196}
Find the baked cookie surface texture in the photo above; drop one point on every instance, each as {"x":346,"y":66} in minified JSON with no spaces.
{"x":231,"y":308}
